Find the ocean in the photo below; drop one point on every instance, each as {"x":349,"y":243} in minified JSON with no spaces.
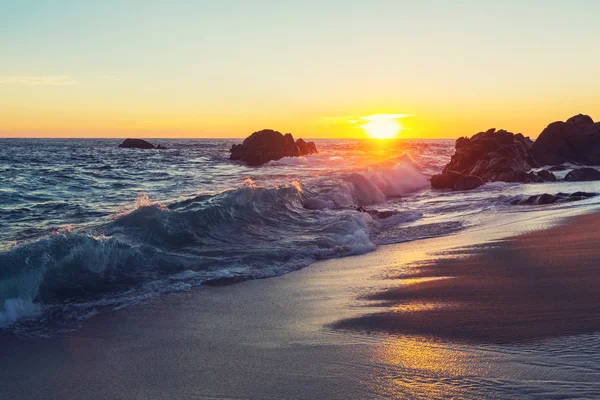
{"x":86,"y":226}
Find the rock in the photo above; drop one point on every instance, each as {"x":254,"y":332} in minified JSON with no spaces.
{"x":576,"y":140}
{"x":446,"y":180}
{"x":583,"y":174}
{"x":136,"y":144}
{"x":468,"y":182}
{"x":580,"y":119}
{"x":558,"y":168}
{"x":456,"y":181}
{"x":268,"y":145}
{"x":160,"y":147}
{"x":551,"y":199}
{"x":306,"y":147}
{"x":547,"y":175}
{"x":376,"y":213}
{"x":583,"y":194}
{"x":492,"y":156}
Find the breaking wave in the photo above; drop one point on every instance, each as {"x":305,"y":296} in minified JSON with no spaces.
{"x":245,"y":233}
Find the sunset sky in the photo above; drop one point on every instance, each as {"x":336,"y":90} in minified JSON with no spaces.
{"x":227,"y":68}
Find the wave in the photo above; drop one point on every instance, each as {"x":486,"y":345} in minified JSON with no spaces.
{"x":244,"y":233}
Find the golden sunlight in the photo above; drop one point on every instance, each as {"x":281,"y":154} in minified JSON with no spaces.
{"x":382,"y":126}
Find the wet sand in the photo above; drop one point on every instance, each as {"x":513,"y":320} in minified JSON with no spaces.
{"x":534,"y":286}
{"x":280,"y":338}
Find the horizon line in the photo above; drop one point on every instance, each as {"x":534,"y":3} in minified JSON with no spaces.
{"x":215,"y":138}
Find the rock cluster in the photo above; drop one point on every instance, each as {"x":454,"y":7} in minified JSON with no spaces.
{"x":269,"y":145}
{"x":139,"y":144}
{"x":553,"y":198}
{"x":576,"y":140}
{"x":490,"y":156}
{"x":583,"y":174}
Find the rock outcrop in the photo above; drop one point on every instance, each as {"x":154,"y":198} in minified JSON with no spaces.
{"x":491,"y":156}
{"x":468,"y":182}
{"x":583,"y":174}
{"x":306,"y":147}
{"x":268,"y":145}
{"x":576,"y":140}
{"x":456,"y":181}
{"x":446,"y":180}
{"x":546,"y":175}
{"x":139,"y":144}
{"x":553,"y":198}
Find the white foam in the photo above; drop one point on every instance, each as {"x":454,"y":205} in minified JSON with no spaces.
{"x":373,"y":186}
{"x":15,"y":309}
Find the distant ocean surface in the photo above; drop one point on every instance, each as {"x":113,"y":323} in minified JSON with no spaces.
{"x":85,"y":225}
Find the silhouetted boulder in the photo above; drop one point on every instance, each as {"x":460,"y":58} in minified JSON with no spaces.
{"x":547,"y":175}
{"x":576,"y":140}
{"x":551,"y":199}
{"x":468,"y":182}
{"x":268,"y":145}
{"x":456,"y":181}
{"x":139,"y":144}
{"x":492,"y":156}
{"x":446,"y":180}
{"x":306,"y":147}
{"x":583,"y":174}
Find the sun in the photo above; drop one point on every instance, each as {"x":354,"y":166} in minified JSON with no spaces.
{"x":382,"y":126}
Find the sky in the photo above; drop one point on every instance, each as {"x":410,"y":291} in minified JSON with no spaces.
{"x":225,"y":68}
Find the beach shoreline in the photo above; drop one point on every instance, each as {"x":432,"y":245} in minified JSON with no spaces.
{"x":275,"y":338}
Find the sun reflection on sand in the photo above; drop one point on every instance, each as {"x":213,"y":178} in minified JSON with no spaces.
{"x":419,"y":368}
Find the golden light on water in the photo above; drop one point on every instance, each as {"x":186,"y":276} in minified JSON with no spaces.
{"x":382,"y":126}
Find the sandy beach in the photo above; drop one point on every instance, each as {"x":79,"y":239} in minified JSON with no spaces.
{"x":416,"y":320}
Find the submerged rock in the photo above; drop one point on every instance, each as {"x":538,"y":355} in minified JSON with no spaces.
{"x":576,"y":140}
{"x":269,"y":145}
{"x":139,"y":144}
{"x":551,"y":199}
{"x":583,"y":174}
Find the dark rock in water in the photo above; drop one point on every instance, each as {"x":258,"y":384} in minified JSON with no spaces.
{"x":558,"y":168}
{"x":381,"y":214}
{"x":551,"y":199}
{"x":138,"y":144}
{"x":160,"y":147}
{"x":446,"y":180}
{"x":503,"y":156}
{"x":493,"y":156}
{"x":468,"y":182}
{"x":576,"y":140}
{"x":456,"y":181}
{"x":268,"y":145}
{"x":583,"y":194}
{"x":306,"y":147}
{"x":376,"y":213}
{"x":583,"y":174}
{"x":546,"y":175}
